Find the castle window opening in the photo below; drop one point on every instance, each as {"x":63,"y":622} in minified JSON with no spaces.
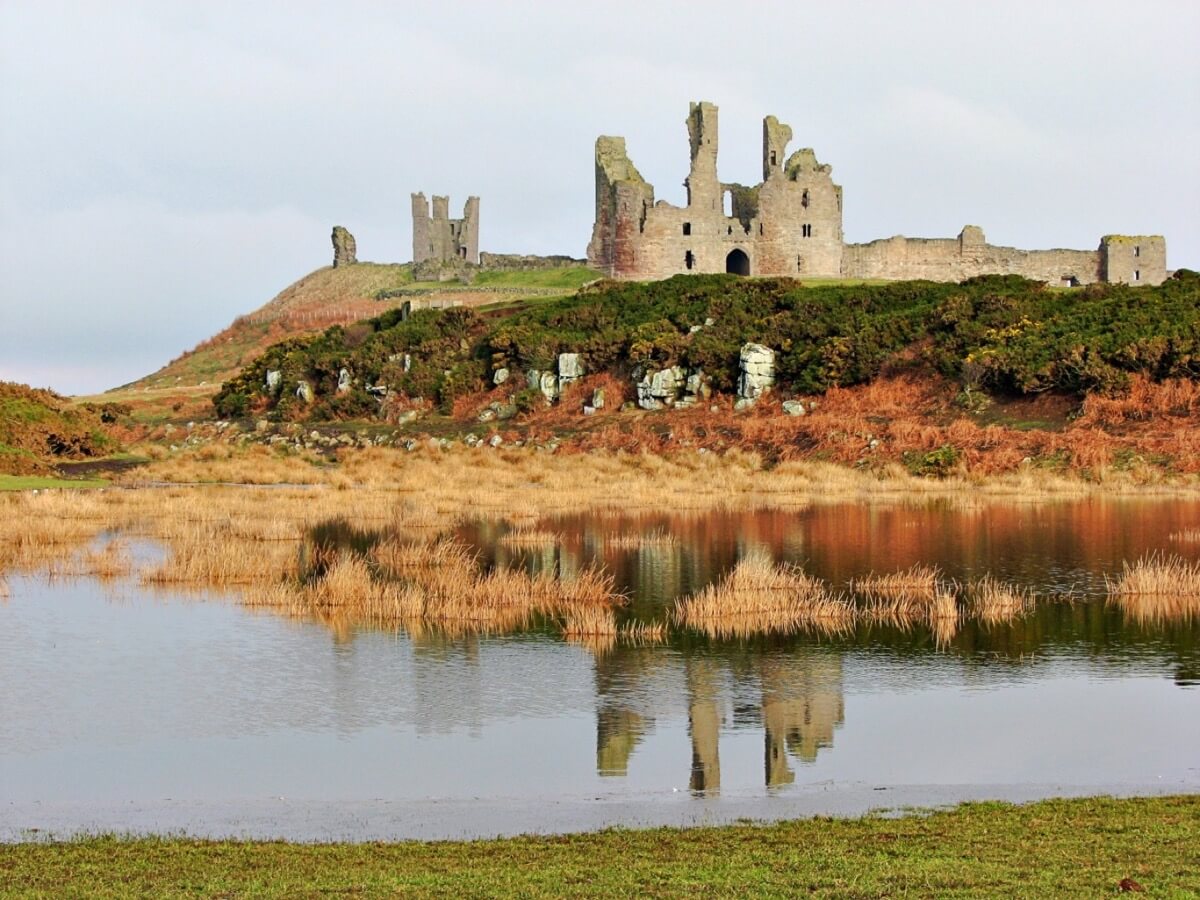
{"x":1137,"y":275}
{"x":1137,"y":250}
{"x":799,"y":263}
{"x":805,"y":231}
{"x":804,"y":200}
{"x":737,"y":263}
{"x":729,"y":230}
{"x":689,"y":259}
{"x":760,"y":227}
{"x":773,"y":158}
{"x":687,"y":228}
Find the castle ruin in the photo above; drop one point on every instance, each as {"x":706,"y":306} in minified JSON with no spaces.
{"x":790,"y":224}
{"x":440,"y":238}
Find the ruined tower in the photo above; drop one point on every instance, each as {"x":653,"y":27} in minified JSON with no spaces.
{"x":790,"y":224}
{"x":438,"y":237}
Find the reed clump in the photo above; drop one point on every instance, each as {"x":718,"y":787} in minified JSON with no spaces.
{"x":1186,"y":536}
{"x":759,"y":596}
{"x":1157,"y":587}
{"x":899,"y":596}
{"x":993,"y":601}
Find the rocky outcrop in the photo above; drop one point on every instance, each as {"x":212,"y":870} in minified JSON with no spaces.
{"x":660,"y":388}
{"x":757,"y":373}
{"x":304,"y":391}
{"x":546,"y":382}
{"x":274,"y":380}
{"x":345,"y":251}
{"x":344,"y":381}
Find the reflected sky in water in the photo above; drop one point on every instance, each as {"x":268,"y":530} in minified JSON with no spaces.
{"x":116,"y":694}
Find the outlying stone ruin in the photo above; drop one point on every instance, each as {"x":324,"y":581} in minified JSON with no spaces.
{"x":790,"y":224}
{"x":345,"y":251}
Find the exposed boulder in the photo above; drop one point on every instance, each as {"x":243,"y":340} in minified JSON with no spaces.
{"x":344,"y":249}
{"x":274,"y":380}
{"x":757,"y":364}
{"x":570,"y":367}
{"x":344,"y":381}
{"x":500,"y":377}
{"x":794,"y":407}
{"x":304,"y":391}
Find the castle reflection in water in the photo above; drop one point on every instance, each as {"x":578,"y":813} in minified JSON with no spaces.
{"x":797,"y":695}
{"x":796,"y":699}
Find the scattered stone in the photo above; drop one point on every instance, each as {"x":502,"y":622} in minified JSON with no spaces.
{"x":344,"y":381}
{"x":548,"y":385}
{"x":304,"y":391}
{"x":598,"y":398}
{"x":487,"y":415}
{"x":274,"y":380}
{"x":695,"y":328}
{"x":378,"y":390}
{"x":495,"y":440}
{"x":589,"y":410}
{"x":262,"y":426}
{"x":710,"y":322}
{"x":500,"y":377}
{"x":345,"y":252}
{"x":794,"y":407}
{"x":407,"y":361}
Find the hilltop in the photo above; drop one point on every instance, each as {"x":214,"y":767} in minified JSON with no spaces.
{"x":182,"y":389}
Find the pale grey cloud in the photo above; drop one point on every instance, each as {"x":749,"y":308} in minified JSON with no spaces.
{"x":166,"y":167}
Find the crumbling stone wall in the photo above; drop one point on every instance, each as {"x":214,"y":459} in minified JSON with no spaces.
{"x":438,"y":237}
{"x":514,"y":262}
{"x":790,"y":224}
{"x":345,"y":252}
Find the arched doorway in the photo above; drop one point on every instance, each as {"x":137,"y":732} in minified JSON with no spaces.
{"x":737,"y":263}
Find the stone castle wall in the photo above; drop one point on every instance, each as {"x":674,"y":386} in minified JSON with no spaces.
{"x":968,"y":255}
{"x":790,"y":224}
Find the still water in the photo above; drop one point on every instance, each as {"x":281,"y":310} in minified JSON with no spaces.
{"x":129,"y":709}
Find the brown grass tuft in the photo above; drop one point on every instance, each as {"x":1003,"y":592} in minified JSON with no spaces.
{"x":1157,"y":588}
{"x":993,"y":601}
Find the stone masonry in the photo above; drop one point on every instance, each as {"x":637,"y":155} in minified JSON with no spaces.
{"x":790,"y":224}
{"x":344,"y":249}
{"x":440,"y":238}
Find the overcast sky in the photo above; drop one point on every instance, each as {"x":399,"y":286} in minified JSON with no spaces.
{"x":167,"y":166}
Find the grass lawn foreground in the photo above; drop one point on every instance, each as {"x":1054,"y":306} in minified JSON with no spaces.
{"x":1054,"y":848}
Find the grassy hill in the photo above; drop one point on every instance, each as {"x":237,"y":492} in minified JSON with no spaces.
{"x":40,"y":428}
{"x":183,"y":388}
